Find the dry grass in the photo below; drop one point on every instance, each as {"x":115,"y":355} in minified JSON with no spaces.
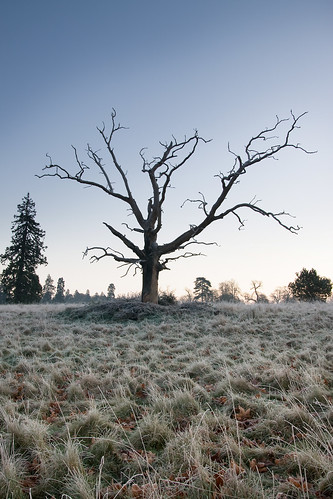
{"x":223,"y":401}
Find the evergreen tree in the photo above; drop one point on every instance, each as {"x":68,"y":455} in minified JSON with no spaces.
{"x":111,"y":291}
{"x":77,"y":297}
{"x":68,"y":296}
{"x":309,"y":286}
{"x":48,"y":289}
{"x":60,"y":294}
{"x":87,"y":297}
{"x":19,"y":279}
{"x":202,"y":289}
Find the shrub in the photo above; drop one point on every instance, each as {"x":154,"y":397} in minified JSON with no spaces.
{"x":167,"y":298}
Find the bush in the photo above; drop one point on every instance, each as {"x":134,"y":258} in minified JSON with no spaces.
{"x":167,"y":298}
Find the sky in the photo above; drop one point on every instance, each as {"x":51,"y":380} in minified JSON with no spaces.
{"x":225,"y":68}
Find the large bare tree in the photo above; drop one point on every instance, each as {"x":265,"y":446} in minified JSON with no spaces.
{"x":152,"y":257}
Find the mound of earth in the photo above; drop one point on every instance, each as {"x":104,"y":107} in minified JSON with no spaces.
{"x":128,"y":310}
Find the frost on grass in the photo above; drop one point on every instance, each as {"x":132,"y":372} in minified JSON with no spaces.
{"x":186,"y":401}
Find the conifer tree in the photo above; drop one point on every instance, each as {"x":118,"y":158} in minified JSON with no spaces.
{"x":19,"y":279}
{"x":309,"y":286}
{"x":48,"y":289}
{"x":202,"y":289}
{"x":111,"y":291}
{"x":60,"y":293}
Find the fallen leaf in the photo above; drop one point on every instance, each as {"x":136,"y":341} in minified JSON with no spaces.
{"x":243,"y":414}
{"x":221,"y":400}
{"x":253,"y":464}
{"x":219,"y":479}
{"x":136,"y":491}
{"x":299,"y":483}
{"x":259,"y":467}
{"x":217,"y":457}
{"x":236,"y":468}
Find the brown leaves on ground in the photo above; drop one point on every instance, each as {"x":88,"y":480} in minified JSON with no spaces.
{"x":145,"y":490}
{"x":299,"y":483}
{"x":258,"y":466}
{"x":128,"y":455}
{"x":244,"y":417}
{"x":54,"y":411}
{"x":116,"y":489}
{"x":141,"y":391}
{"x":33,"y":468}
{"x":242,"y":414}
{"x":221,"y":400}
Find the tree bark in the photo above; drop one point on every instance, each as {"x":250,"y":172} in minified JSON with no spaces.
{"x":150,"y":273}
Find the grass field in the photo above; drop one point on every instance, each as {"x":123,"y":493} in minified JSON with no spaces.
{"x":220,"y":401}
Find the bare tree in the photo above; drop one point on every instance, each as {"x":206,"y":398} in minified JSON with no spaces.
{"x":256,"y":296}
{"x":152,"y":257}
{"x":281,"y":295}
{"x":229,"y":291}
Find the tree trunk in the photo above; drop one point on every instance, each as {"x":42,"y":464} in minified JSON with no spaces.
{"x":150,"y":272}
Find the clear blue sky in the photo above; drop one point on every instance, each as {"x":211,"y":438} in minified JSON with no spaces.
{"x":226,"y":68}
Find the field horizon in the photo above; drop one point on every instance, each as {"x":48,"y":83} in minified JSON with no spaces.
{"x":135,"y":400}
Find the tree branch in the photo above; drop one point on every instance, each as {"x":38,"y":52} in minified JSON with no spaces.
{"x":257,"y":209}
{"x":77,"y":177}
{"x":227,"y":181}
{"x":163,"y":168}
{"x":116,"y":255}
{"x":97,"y":160}
{"x":185,"y":255}
{"x":126,"y":241}
{"x":202,"y":203}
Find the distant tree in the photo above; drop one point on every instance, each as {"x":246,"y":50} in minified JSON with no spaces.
{"x":309,"y":286}
{"x":202,"y":289}
{"x":82,"y":297}
{"x":188,"y":297}
{"x":229,"y":291}
{"x":98,"y":298}
{"x":150,"y":256}
{"x":256,"y":296}
{"x":87,"y":297}
{"x":281,"y":295}
{"x":111,"y":291}
{"x":78,"y":297}
{"x":19,"y":279}
{"x":68,"y":296}
{"x":48,"y":289}
{"x":60,"y":293}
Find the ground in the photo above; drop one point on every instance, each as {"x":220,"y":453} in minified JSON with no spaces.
{"x":134,"y":400}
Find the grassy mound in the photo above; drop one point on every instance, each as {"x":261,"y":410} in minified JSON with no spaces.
{"x":128,"y":310}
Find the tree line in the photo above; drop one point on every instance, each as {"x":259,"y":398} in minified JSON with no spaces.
{"x":20,"y":282}
{"x":59,"y":294}
{"x":307,"y":286}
